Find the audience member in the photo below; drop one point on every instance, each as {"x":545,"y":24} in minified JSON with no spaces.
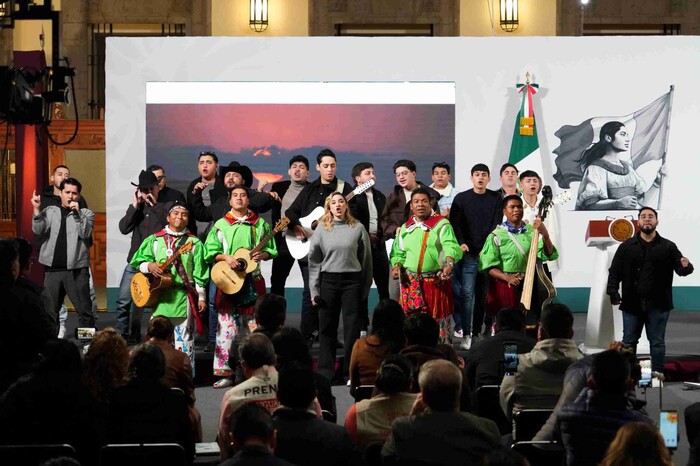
{"x":50,"y":405}
{"x":369,"y":421}
{"x":485,"y":358}
{"x":146,"y":411}
{"x":178,"y":368}
{"x":637,"y":444}
{"x":540,"y":376}
{"x":106,"y":364}
{"x":436,"y":432}
{"x":48,"y":315}
{"x":253,"y":437}
{"x":587,"y":426}
{"x":291,"y":347}
{"x":270,"y":314}
{"x":302,"y":436}
{"x":258,"y":363}
{"x":576,"y":379}
{"x":386,"y":338}
{"x":506,"y":457}
{"x":692,"y":428}
{"x":422,"y":333}
{"x":21,"y":316}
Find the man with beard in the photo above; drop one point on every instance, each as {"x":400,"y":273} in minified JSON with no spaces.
{"x":426,"y":285}
{"x":645,"y":264}
{"x":505,"y":253}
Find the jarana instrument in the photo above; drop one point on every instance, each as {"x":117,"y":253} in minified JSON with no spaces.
{"x":146,"y":288}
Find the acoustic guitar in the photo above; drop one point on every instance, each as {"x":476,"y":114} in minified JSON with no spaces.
{"x":145,"y":288}
{"x":230,"y":281}
{"x":299,"y":248}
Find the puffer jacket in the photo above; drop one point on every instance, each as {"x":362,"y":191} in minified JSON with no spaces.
{"x":539,"y":379}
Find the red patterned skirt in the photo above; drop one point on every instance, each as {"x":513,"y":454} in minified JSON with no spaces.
{"x":501,"y":295}
{"x":428,"y":294}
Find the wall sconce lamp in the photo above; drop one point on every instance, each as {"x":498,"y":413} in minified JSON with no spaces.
{"x":258,"y":15}
{"x":6,"y":9}
{"x":509,"y":15}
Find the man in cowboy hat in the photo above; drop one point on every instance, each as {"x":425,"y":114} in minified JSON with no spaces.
{"x":187,"y":297}
{"x":230,"y":176}
{"x":144,"y":216}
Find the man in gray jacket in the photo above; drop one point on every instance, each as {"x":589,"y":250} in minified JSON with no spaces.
{"x":539,"y":379}
{"x":65,"y":235}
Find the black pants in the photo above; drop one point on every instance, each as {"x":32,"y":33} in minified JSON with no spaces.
{"x":76,"y":284}
{"x":281,"y":266}
{"x":339,"y":291}
{"x":479,"y":317}
{"x":380,"y":270}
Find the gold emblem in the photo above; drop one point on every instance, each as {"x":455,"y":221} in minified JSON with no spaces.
{"x":621,"y":229}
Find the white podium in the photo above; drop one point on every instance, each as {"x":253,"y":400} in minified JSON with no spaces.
{"x":604,"y":321}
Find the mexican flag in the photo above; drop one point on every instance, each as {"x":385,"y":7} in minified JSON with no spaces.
{"x":525,"y":148}
{"x":648,"y":129}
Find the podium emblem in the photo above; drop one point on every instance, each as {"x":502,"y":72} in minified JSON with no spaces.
{"x":621,"y":229}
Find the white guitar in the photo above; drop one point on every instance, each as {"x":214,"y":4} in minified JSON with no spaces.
{"x":300,"y":248}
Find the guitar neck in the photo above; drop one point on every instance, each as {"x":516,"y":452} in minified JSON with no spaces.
{"x":263,"y":242}
{"x":529,"y":281}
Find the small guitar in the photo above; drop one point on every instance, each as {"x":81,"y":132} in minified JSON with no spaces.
{"x":145,"y":288}
{"x":230,"y":281}
{"x":535,"y":268}
{"x":300,"y":248}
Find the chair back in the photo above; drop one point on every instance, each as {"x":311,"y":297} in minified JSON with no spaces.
{"x":34,"y":455}
{"x":488,"y":406}
{"x":541,"y":453}
{"x":148,"y":454}
{"x":527,"y":422}
{"x":363,"y":392}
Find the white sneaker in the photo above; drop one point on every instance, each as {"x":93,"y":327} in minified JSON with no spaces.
{"x":62,"y":331}
{"x":466,"y":343}
{"x":458,"y":334}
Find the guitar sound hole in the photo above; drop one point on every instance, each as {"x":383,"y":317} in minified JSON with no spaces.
{"x":244,"y":263}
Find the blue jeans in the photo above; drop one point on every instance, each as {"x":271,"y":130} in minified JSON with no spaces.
{"x":128,"y":315}
{"x":463,"y":281}
{"x":655,"y":322}
{"x":213,"y":319}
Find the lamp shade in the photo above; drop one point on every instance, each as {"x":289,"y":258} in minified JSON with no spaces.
{"x":509,"y":15}
{"x":258,"y":15}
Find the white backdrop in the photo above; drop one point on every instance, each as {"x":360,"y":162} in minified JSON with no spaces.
{"x":579,"y":78}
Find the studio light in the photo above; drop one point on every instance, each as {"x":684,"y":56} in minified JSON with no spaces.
{"x":509,"y":15}
{"x":258,"y":15}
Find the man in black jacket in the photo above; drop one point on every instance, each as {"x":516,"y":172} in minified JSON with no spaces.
{"x":207,"y":165}
{"x":314,"y":195}
{"x":144,"y":217}
{"x":485,"y":358}
{"x":166,"y":194}
{"x":645,"y":264}
{"x":368,"y":210}
{"x":287,"y":191}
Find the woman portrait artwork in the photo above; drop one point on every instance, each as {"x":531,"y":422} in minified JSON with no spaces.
{"x":610,"y":182}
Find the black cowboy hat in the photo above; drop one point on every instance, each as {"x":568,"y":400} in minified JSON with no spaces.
{"x":146,"y":180}
{"x":242,"y":170}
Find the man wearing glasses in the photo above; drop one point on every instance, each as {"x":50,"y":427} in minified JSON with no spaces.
{"x":166,"y":193}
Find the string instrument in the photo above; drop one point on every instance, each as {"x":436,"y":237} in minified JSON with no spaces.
{"x":535,"y":274}
{"x":299,"y":248}
{"x":145,"y":288}
{"x":230,"y":281}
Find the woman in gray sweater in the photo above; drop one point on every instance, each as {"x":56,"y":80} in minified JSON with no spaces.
{"x":340,"y":274}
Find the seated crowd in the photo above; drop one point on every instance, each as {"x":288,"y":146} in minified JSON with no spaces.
{"x":421,"y":409}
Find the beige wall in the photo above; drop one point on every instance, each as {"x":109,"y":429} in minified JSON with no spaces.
{"x":25,"y":36}
{"x":88,"y":167}
{"x":537,"y":18}
{"x":286,"y":18}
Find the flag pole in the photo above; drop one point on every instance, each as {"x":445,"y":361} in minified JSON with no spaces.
{"x":668,"y":131}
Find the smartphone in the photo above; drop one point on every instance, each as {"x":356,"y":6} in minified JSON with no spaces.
{"x":84,"y":333}
{"x":510,"y":358}
{"x":668,"y":426}
{"x":645,"y":380}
